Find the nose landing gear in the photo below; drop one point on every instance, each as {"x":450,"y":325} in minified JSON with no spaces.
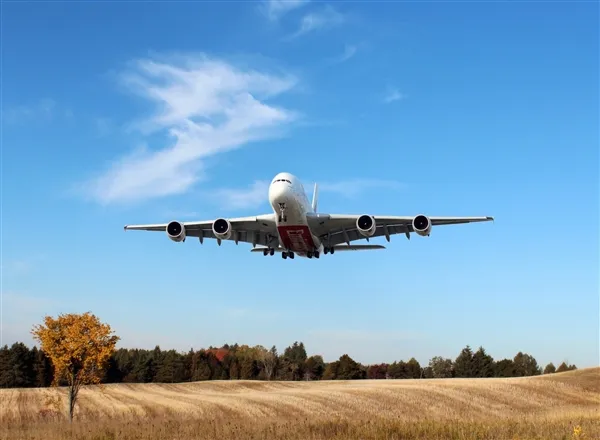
{"x":282,"y":217}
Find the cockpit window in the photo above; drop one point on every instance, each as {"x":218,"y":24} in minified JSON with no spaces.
{"x":282,"y":180}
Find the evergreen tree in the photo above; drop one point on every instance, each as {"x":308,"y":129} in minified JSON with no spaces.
{"x":44,"y":372}
{"x":483,"y":364}
{"x":22,"y":374}
{"x":6,"y":379}
{"x":505,"y":368}
{"x":550,"y":368}
{"x":463,"y":365}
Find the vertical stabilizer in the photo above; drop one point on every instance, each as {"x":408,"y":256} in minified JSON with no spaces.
{"x":315,"y":199}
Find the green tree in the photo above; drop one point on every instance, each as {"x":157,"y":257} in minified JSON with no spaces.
{"x":43,"y":370}
{"x":483,"y":364}
{"x":440,"y":367}
{"x":314,"y":367}
{"x":526,"y":365}
{"x":550,"y":368}
{"x":505,"y":368}
{"x":565,"y":367}
{"x":413,"y":369}
{"x":6,"y":379}
{"x":463,"y":364}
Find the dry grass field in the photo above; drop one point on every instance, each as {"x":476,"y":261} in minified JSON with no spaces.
{"x":559,"y":406}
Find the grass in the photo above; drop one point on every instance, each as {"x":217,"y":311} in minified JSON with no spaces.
{"x":559,"y":406}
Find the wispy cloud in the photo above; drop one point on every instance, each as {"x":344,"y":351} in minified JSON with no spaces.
{"x":275,"y":9}
{"x":354,"y":187}
{"x":253,"y":195}
{"x":326,"y":18}
{"x":257,"y":193}
{"x":207,"y":106}
{"x":393,"y":95}
{"x":41,"y":110}
{"x":349,"y":52}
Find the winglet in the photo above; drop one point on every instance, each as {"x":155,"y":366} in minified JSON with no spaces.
{"x":315,"y":200}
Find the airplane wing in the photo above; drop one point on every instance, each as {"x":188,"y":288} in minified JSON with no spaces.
{"x":255,"y":230}
{"x":334,"y":229}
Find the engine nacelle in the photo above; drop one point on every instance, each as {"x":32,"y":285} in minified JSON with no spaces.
{"x":365,"y":224}
{"x":222,"y":228}
{"x":176,"y":231}
{"x":422,"y":225}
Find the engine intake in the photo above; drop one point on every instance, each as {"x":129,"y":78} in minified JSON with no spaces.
{"x":422,"y":225}
{"x":366,"y":226}
{"x":176,"y":231}
{"x":222,"y":229}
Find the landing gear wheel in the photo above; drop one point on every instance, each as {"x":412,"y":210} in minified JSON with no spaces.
{"x":325,"y":250}
{"x":284,"y":255}
{"x":331,"y":250}
{"x":272,"y":251}
{"x":265,"y":252}
{"x":309,"y":254}
{"x":291,"y":255}
{"x":316,"y":254}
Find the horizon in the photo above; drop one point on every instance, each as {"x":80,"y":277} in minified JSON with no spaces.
{"x":184,"y":112}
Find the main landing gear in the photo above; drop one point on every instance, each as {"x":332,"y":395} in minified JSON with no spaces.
{"x":285,"y":255}
{"x":311,"y":254}
{"x":329,"y":250}
{"x":269,"y":251}
{"x":282,"y":217}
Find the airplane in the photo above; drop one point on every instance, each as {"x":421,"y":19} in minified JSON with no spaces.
{"x":296,"y":228}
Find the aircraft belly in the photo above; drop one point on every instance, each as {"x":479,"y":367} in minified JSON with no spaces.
{"x":295,"y":235}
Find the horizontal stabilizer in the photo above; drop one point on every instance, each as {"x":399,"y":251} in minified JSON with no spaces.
{"x":341,"y":247}
{"x":357,"y":247}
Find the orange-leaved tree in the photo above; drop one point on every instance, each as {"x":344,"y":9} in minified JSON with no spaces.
{"x":79,"y":346}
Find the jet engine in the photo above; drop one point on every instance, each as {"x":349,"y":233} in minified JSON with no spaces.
{"x":365,"y":224}
{"x":422,"y":225}
{"x":176,"y":231}
{"x":222,"y":229}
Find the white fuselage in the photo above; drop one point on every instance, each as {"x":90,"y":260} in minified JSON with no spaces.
{"x":291,"y":206}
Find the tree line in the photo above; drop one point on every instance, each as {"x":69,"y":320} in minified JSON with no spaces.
{"x":21,"y":366}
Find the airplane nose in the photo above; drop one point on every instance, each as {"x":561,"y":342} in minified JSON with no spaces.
{"x":278,"y":193}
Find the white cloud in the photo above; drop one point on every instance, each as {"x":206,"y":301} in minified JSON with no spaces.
{"x":42,"y":110}
{"x":393,"y":95}
{"x":253,"y":195}
{"x":349,"y":52}
{"x":354,"y":187}
{"x":207,"y":106}
{"x":326,"y":18}
{"x":275,"y":9}
{"x":257,"y":193}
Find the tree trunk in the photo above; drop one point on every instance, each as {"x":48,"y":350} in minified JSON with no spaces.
{"x":71,"y":402}
{"x":73,"y":388}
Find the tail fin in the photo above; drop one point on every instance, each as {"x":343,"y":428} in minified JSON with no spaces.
{"x":315,"y":200}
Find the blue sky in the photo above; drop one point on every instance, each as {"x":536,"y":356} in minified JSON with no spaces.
{"x":116,"y":114}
